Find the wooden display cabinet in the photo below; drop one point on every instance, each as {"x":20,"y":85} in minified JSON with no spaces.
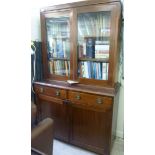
{"x":80,"y":42}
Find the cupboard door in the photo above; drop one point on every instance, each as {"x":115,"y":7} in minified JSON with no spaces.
{"x":91,"y":130}
{"x":58,"y":111}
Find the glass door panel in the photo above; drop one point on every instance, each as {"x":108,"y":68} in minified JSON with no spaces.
{"x":58,"y":45}
{"x":93,"y":70}
{"x":93,"y":45}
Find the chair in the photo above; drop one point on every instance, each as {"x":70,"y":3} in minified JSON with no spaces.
{"x":41,"y":133}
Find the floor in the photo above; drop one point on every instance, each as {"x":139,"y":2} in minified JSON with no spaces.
{"x":61,"y":148}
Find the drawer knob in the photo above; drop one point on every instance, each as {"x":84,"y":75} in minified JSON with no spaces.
{"x":78,"y":97}
{"x":57,"y":93}
{"x":99,"y":101}
{"x":41,"y":90}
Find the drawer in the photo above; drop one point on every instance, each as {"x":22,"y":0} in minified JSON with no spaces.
{"x":50,"y":91}
{"x":91,"y":101}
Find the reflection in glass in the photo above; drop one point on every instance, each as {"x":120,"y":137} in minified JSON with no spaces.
{"x":93,"y":44}
{"x":59,"y":67}
{"x":58,"y":45}
{"x":93,"y":70}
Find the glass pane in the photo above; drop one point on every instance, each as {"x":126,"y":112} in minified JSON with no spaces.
{"x":59,"y":67}
{"x":93,"y":70}
{"x":93,"y":44}
{"x":58,"y":45}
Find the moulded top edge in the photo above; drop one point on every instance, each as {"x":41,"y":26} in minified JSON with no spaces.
{"x":76,"y":4}
{"x":80,"y":87}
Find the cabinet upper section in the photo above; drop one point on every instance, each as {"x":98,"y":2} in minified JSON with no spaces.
{"x":80,"y":41}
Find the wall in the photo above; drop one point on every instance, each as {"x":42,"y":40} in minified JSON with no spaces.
{"x":35,"y":35}
{"x":35,"y":15}
{"x":120,"y":117}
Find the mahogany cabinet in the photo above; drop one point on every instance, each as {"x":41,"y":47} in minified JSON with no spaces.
{"x":80,"y":48}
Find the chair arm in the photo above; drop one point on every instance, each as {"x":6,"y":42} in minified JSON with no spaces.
{"x":42,"y":136}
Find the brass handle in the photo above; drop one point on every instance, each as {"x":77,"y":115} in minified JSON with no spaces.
{"x":57,"y":93}
{"x":41,"y":90}
{"x":99,"y":101}
{"x":78,"y":97}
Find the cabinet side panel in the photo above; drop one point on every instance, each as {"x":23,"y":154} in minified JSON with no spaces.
{"x":44,"y":49}
{"x":114,"y":117}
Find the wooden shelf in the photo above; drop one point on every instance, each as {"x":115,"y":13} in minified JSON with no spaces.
{"x":58,"y":37}
{"x":63,"y":59}
{"x":94,"y":60}
{"x":104,"y":36}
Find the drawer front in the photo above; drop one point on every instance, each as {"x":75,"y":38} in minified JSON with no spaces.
{"x":54,"y":92}
{"x":90,"y":100}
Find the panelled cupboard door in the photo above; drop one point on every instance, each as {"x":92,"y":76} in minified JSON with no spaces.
{"x":96,"y":43}
{"x":56,"y":44}
{"x":90,"y":129}
{"x":59,"y":113}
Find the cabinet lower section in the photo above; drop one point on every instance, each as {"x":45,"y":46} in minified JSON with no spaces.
{"x":81,"y":119}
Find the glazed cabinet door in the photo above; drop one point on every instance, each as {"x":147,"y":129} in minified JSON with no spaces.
{"x":96,"y":43}
{"x":56,"y":44}
{"x":58,"y":111}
